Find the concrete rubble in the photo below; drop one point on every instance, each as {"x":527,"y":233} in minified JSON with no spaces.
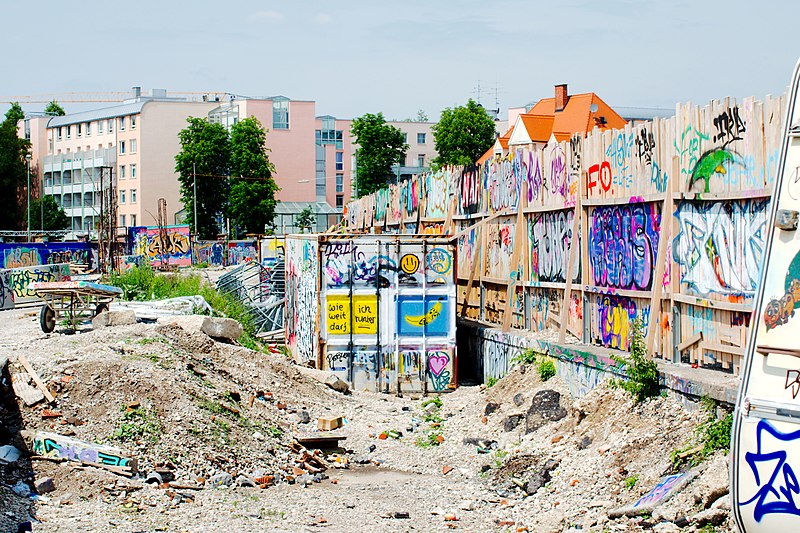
{"x":216,"y":430}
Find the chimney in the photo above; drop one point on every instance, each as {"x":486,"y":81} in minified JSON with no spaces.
{"x":561,"y":97}
{"x":136,"y":91}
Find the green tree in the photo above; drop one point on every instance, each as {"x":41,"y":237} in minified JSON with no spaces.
{"x":205,"y":150}
{"x":13,"y":169}
{"x":252,"y":198}
{"x":380,"y":145}
{"x":305,"y":219}
{"x":463,"y":134}
{"x":54,"y":109}
{"x":55,"y":217}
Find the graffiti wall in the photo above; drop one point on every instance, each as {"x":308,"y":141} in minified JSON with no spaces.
{"x":6,"y":292}
{"x":17,"y":255}
{"x":386,"y":311}
{"x":172,"y":247}
{"x":209,"y":252}
{"x":19,"y":280}
{"x":302,"y":302}
{"x":683,"y":197}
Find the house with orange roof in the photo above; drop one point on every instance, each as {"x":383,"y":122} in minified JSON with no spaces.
{"x":559,"y":117}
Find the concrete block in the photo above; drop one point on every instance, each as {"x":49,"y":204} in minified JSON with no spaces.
{"x":324,"y":376}
{"x":222,"y":328}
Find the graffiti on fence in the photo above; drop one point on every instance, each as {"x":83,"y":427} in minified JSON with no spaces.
{"x":19,"y":280}
{"x":616,"y":316}
{"x":501,"y":184}
{"x":210,"y":252}
{"x":550,"y":238}
{"x":6,"y":292}
{"x":427,"y":315}
{"x":499,"y":249}
{"x":18,"y":255}
{"x":623,"y":243}
{"x":301,"y":298}
{"x":242,"y":251}
{"x":437,"y":187}
{"x":172,"y":247}
{"x":720,"y":245}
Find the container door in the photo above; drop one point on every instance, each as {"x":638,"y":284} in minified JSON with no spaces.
{"x":765,"y":488}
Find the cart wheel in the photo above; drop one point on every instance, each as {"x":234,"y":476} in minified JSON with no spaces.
{"x":47,"y":319}
{"x":100,"y":308}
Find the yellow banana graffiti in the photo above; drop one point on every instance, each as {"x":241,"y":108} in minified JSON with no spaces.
{"x":427,"y":318}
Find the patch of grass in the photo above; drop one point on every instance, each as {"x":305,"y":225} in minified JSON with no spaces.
{"x":430,"y":439}
{"x":642,"y":372}
{"x":146,"y":340}
{"x":498,"y":457}
{"x":546,"y":370}
{"x":708,"y":528}
{"x":631,"y":481}
{"x":138,"y":423}
{"x":435,"y":400}
{"x":712,"y":435}
{"x":526,"y":357}
{"x":491,"y":382}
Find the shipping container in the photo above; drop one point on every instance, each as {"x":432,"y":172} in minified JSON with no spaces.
{"x":377,"y":310}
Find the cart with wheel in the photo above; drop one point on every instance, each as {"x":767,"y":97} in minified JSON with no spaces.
{"x":72,"y":301}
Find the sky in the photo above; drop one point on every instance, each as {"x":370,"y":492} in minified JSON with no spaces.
{"x":356,"y":57}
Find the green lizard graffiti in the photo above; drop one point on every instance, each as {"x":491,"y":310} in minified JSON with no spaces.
{"x":710,"y":163}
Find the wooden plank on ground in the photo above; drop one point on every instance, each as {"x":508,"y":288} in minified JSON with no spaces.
{"x":29,"y":395}
{"x":36,"y":379}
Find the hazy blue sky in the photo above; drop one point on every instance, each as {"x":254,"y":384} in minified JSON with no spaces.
{"x":355,"y":57}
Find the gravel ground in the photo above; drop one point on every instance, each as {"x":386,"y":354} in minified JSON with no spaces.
{"x":493,"y":441}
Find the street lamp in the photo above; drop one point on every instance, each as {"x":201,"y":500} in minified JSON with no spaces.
{"x":28,"y":159}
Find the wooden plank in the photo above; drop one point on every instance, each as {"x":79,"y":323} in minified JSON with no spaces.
{"x":691,"y":341}
{"x":653,"y":197}
{"x":36,"y":379}
{"x":519,"y":237}
{"x":574,"y":250}
{"x":719,"y":196}
{"x":617,"y":292}
{"x":60,"y":446}
{"x":29,"y":395}
{"x":658,"y":278}
{"x":713,"y":304}
{"x":477,"y":262}
{"x":714,"y":346}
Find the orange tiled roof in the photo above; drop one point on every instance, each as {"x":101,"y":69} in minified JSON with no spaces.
{"x":539,"y":127}
{"x":577,"y":117}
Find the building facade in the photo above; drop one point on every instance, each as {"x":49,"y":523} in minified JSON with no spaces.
{"x":131,"y":147}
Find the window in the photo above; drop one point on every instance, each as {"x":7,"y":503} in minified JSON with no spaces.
{"x":60,"y":131}
{"x":122,"y":196}
{"x":88,"y":128}
{"x":99,"y":127}
{"x":421,"y":160}
{"x":133,"y":196}
{"x":133,"y":217}
{"x":280,"y":114}
{"x":339,"y":160}
{"x":133,"y":124}
{"x":339,"y":200}
{"x":405,"y":138}
{"x":122,"y":172}
{"x":69,"y":132}
{"x":121,"y":123}
{"x":339,"y":182}
{"x":420,"y":138}
{"x":110,"y":125}
{"x":133,"y":170}
{"x":79,"y":127}
{"x":122,"y":220}
{"x":122,"y":147}
{"x":133,"y":146}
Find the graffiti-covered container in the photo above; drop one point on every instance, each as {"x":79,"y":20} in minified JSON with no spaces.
{"x":377,"y":310}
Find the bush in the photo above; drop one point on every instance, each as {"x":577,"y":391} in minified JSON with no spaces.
{"x":712,"y":435}
{"x":546,"y":370}
{"x":642,"y":372}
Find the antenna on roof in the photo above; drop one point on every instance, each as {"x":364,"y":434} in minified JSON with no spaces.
{"x":477,"y":91}
{"x":593,"y":108}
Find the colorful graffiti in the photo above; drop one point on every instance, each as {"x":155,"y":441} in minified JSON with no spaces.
{"x":241,"y":251}
{"x":437,"y":188}
{"x":19,"y":280}
{"x":502,"y":184}
{"x":550,"y":238}
{"x":615,"y":320}
{"x":210,"y":252}
{"x":358,"y":313}
{"x":173,"y":247}
{"x":470,"y":189}
{"x":623,"y":244}
{"x":6,"y":292}
{"x":301,"y":299}
{"x":18,"y":255}
{"x":720,"y":245}
{"x":427,"y":315}
{"x":61,"y":447}
{"x":499,"y":250}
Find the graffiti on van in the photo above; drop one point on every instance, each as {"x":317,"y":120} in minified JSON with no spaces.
{"x":778,"y":489}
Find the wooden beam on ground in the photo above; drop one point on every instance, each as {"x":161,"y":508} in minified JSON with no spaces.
{"x":36,"y":379}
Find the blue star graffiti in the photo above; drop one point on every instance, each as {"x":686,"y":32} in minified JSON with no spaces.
{"x":779,"y":492}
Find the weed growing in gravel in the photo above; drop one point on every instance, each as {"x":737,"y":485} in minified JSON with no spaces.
{"x":708,"y":528}
{"x":491,"y":382}
{"x":499,"y":455}
{"x":631,"y":481}
{"x":138,"y":423}
{"x":430,"y":439}
{"x":546,"y":370}
{"x":527,"y":357}
{"x":642,"y":372}
{"x":712,"y":435}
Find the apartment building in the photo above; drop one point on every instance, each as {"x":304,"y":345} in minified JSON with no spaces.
{"x":131,"y":145}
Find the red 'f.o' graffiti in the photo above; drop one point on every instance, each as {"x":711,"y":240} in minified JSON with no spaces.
{"x":599,"y":174}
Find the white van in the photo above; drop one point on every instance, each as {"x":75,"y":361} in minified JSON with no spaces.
{"x":765,"y":445}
